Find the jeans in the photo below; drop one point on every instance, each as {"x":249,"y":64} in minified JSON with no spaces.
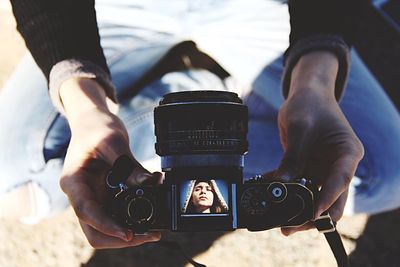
{"x":248,"y":41}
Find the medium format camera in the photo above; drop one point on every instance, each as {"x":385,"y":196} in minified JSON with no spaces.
{"x":201,"y":139}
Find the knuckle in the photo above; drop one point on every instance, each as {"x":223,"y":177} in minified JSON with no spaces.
{"x":64,"y":184}
{"x":80,"y":211}
{"x":116,"y":134}
{"x":356,"y":148}
{"x":93,"y":242}
{"x":336,"y":214}
{"x":347,"y":177}
{"x":360,"y":149}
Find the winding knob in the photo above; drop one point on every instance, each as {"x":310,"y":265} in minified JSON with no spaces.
{"x":140,"y":210}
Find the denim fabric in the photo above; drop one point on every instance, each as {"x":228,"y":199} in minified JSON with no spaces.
{"x":248,"y":41}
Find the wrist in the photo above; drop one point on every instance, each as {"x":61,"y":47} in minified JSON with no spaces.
{"x":82,"y":95}
{"x":315,"y":73}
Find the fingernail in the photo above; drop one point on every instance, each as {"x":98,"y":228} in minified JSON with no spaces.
{"x":122,"y":235}
{"x":286,"y":231}
{"x":318,"y":214}
{"x":153,"y":238}
{"x":290,"y":233}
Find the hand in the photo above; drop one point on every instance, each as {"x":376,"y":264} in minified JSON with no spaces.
{"x":318,"y":141}
{"x":98,"y":139}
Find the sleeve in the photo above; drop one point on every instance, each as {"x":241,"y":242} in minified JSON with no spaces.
{"x":63,"y":38}
{"x":322,"y":25}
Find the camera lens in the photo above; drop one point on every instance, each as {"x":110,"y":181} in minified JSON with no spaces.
{"x":201,"y":122}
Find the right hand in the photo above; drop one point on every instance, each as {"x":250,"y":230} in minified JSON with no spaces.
{"x":318,"y":141}
{"x":98,"y":139}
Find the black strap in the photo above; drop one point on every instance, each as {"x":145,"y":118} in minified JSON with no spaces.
{"x":335,"y":242}
{"x":325,"y":225}
{"x":175,"y":246}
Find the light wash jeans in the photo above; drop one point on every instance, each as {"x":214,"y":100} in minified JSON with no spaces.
{"x":247,"y":38}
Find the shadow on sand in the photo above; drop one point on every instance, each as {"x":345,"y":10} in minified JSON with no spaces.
{"x":154,"y":254}
{"x":379,"y":244}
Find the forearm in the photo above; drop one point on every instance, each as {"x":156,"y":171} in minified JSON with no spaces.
{"x":80,"y":96}
{"x":315,"y":71}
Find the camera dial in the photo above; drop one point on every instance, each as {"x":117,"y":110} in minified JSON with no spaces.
{"x":254,"y":201}
{"x":140,"y":209}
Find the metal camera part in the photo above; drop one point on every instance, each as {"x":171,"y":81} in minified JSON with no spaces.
{"x":140,"y":209}
{"x":254,"y":201}
{"x":277,"y":191}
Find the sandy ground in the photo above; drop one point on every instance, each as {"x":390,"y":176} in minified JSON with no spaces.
{"x":59,"y":241}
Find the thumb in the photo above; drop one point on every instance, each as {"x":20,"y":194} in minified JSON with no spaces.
{"x":129,"y":171}
{"x":141,"y":176}
{"x":299,"y":144}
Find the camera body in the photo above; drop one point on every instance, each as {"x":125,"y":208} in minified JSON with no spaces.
{"x":254,"y":205}
{"x":201,"y":138}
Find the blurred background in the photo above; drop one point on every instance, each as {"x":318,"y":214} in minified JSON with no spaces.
{"x":370,"y":241}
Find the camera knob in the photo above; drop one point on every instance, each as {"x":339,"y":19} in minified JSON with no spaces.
{"x":140,"y":210}
{"x":277,"y":191}
{"x":254,"y":201}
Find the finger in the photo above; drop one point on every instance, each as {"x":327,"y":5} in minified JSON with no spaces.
{"x":99,"y":241}
{"x":291,"y":230}
{"x":158,"y":177}
{"x":337,"y":182}
{"x":121,"y":169}
{"x":141,"y":176}
{"x":87,"y":209}
{"x":299,"y":142}
{"x":336,"y":210}
{"x":113,"y":147}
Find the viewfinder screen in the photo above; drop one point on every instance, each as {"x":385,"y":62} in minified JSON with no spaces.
{"x":204,"y":196}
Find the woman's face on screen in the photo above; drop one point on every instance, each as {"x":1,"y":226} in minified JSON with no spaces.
{"x":202,"y":197}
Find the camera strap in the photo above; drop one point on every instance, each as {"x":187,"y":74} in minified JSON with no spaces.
{"x":325,"y":225}
{"x":175,"y":246}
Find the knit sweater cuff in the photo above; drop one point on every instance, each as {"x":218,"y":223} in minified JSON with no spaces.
{"x":71,"y":68}
{"x":332,"y":43}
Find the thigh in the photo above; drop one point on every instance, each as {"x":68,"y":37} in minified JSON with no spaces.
{"x":242,"y":36}
{"x":137,"y":113}
{"x":136,"y":34}
{"x":264,"y":100}
{"x":376,"y":122}
{"x":25,"y":115}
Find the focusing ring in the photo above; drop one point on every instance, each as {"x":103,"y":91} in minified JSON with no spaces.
{"x":201,"y":122}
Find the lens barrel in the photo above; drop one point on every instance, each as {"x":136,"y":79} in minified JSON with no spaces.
{"x":201,"y":122}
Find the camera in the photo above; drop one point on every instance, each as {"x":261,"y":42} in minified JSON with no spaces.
{"x":201,"y":139}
